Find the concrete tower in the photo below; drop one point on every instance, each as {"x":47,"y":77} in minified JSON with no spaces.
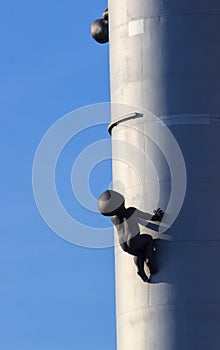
{"x":165,"y":59}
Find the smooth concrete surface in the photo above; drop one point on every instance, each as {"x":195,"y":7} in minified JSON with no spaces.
{"x":164,"y":60}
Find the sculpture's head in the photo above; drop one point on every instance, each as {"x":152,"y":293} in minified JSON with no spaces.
{"x":99,"y":30}
{"x":111,"y":203}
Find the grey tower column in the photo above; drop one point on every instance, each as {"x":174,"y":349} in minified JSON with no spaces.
{"x":165,"y":59}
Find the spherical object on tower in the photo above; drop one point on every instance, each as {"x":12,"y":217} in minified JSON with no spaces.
{"x":99,"y":28}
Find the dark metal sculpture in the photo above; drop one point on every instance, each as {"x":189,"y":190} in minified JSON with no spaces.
{"x":99,"y":28}
{"x":141,"y":246}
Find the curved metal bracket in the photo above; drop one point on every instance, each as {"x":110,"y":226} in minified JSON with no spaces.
{"x":123,"y":118}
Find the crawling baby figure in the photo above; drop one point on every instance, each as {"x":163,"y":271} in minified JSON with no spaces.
{"x":141,"y":246}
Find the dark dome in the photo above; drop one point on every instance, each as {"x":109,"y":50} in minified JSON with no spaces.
{"x":99,"y":31}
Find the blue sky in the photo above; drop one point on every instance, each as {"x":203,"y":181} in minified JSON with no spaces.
{"x":53,"y":295}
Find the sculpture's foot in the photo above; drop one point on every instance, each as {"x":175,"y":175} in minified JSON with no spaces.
{"x":153,"y":269}
{"x":143,"y":276}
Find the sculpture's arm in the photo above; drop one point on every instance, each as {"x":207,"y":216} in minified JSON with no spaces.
{"x":157,"y":216}
{"x":143,"y":215}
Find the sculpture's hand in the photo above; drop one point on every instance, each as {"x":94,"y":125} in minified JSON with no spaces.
{"x":158,"y":215}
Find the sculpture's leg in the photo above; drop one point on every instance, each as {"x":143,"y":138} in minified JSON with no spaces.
{"x":152,"y":263}
{"x":139,"y":262}
{"x":141,"y":241}
{"x":149,"y":252}
{"x":147,"y":246}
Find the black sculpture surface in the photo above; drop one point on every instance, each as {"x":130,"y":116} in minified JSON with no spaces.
{"x":141,"y":246}
{"x":99,"y":28}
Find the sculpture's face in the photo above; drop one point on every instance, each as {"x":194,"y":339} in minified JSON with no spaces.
{"x":111,"y":203}
{"x":99,"y":31}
